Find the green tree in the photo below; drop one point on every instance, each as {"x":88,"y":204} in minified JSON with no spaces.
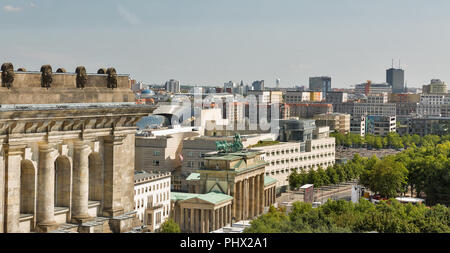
{"x":170,"y":226}
{"x":388,"y":178}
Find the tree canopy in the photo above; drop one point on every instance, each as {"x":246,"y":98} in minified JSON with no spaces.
{"x":346,"y":217}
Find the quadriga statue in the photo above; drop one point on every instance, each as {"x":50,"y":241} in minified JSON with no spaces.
{"x":81,"y":76}
{"x":7,"y":75}
{"x":112,"y":78}
{"x":47,"y":77}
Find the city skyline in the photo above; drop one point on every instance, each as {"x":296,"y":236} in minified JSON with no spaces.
{"x":205,"y":43}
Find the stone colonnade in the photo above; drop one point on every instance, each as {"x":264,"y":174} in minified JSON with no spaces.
{"x":202,"y":219}
{"x":248,"y":201}
{"x":269,"y":195}
{"x":33,"y":189}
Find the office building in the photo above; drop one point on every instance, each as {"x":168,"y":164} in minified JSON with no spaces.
{"x":322,"y":84}
{"x":396,"y":79}
{"x":172,"y":86}
{"x":338,"y":122}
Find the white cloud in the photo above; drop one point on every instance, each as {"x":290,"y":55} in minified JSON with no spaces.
{"x":10,"y":8}
{"x":127,"y":16}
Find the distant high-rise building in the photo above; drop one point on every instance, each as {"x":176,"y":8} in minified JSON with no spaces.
{"x":172,"y":86}
{"x":321,"y":83}
{"x":277,"y":83}
{"x":396,"y":78}
{"x":258,"y":85}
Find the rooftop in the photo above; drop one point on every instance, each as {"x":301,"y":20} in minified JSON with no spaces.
{"x":142,"y":176}
{"x":212,"y":197}
{"x":268,"y":180}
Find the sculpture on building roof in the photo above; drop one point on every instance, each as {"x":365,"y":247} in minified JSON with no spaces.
{"x":61,"y":70}
{"x":225,"y":147}
{"x":112,"y":78}
{"x":101,"y":71}
{"x":81,"y":76}
{"x":7,"y":75}
{"x":47,"y":77}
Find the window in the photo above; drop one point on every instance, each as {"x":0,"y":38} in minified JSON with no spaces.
{"x":155,"y":163}
{"x":156,"y":153}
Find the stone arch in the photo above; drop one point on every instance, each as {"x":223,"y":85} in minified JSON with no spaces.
{"x":28,"y":178}
{"x":63,"y":181}
{"x":95,"y":177}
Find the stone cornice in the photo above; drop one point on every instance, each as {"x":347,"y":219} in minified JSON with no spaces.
{"x":79,"y":121}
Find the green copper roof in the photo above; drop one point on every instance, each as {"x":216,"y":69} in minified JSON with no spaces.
{"x":269,"y":180}
{"x":193,"y":176}
{"x":181,"y":195}
{"x":215,"y":197}
{"x":212,"y":197}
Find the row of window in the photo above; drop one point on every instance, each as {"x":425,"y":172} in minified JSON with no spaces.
{"x":152,"y":188}
{"x":283,"y":171}
{"x":159,"y":198}
{"x":306,"y":158}
{"x":296,"y":150}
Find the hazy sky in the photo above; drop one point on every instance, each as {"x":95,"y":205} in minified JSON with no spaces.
{"x":209,"y":42}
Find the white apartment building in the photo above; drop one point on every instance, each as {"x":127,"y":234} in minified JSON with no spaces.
{"x":283,"y":158}
{"x":430,"y":105}
{"x":152,"y":198}
{"x":432,"y":99}
{"x":386,"y":109}
{"x":377,"y":98}
{"x":381,"y":125}
{"x":358,"y":125}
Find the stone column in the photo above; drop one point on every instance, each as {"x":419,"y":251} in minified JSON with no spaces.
{"x":197,"y":220}
{"x":245,"y":215}
{"x":273,"y":195}
{"x":237,"y":214}
{"x":46,"y":189}
{"x":112,"y":197}
{"x":234,"y":214}
{"x":192,"y":220}
{"x":2,"y":189}
{"x":217,"y":219}
{"x":231,"y":217}
{"x":213,"y":219}
{"x":251,"y":197}
{"x":257,"y":196}
{"x":226,"y":215}
{"x":261,"y":194}
{"x":202,"y":221}
{"x":181,"y":219}
{"x":80,"y":196}
{"x":208,"y":216}
{"x":12,"y":187}
{"x":221,"y":217}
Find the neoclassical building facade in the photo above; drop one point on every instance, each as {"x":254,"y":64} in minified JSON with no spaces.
{"x":67,"y":151}
{"x":230,"y":187}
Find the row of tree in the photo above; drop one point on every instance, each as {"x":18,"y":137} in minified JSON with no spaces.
{"x":424,"y":170}
{"x":347,"y":217}
{"x":392,"y":140}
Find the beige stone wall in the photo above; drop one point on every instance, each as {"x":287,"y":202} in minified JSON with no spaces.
{"x":2,"y":191}
{"x":26,"y":89}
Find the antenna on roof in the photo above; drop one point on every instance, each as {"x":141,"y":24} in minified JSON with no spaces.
{"x":392,"y":62}
{"x":399,"y":64}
